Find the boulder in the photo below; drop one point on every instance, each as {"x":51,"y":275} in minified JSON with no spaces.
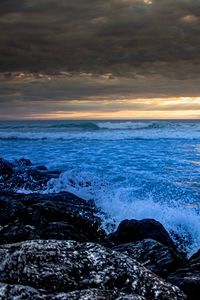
{"x":68,"y":266}
{"x":6,"y":169}
{"x":156,"y":257}
{"x":23,"y":162}
{"x":47,"y":216}
{"x":195,"y":258}
{"x":133,"y":230}
{"x":10,"y":292}
{"x":22,"y":174}
{"x":93,"y":294}
{"x":188,"y":278}
{"x":18,"y":232}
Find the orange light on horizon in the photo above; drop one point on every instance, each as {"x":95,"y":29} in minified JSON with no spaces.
{"x":139,"y":108}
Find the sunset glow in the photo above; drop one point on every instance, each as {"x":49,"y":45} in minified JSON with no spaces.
{"x":160,"y":108}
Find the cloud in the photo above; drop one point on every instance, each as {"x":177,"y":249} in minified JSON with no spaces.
{"x":111,"y":50}
{"x":123,"y":37}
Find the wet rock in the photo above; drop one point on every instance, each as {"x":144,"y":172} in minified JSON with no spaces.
{"x":6,"y":169}
{"x":92,"y":294}
{"x":62,"y":231}
{"x":22,"y":174}
{"x":156,"y":257}
{"x":188,"y":278}
{"x":41,"y":168}
{"x":10,"y":292}
{"x":133,"y":230}
{"x":29,"y":179}
{"x":195,"y":258}
{"x":67,"y":266}
{"x":18,"y":232}
{"x":19,"y":292}
{"x":23,"y":162}
{"x":57,"y":216}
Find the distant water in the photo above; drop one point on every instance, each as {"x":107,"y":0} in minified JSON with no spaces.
{"x":132,"y":169}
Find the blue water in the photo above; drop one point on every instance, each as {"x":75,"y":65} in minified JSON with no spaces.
{"x":132,"y":169}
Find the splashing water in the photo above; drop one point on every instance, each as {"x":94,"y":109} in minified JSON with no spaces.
{"x":143,"y":169}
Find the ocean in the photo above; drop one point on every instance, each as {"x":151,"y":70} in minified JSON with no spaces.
{"x":131,"y":169}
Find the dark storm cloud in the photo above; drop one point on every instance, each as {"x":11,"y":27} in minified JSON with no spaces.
{"x":124,"y":37}
{"x":111,"y":50}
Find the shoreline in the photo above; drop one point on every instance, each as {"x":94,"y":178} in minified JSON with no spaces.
{"x":29,"y":221}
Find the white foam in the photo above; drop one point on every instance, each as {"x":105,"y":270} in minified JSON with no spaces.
{"x":153,"y":133}
{"x":117,"y":204}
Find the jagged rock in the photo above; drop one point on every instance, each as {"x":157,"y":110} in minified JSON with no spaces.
{"x":58,"y":216}
{"x":32,"y":179}
{"x":92,"y":294}
{"x":62,"y":231}
{"x":21,"y":292}
{"x":6,"y":169}
{"x":188,"y":278}
{"x":23,"y":162}
{"x":41,"y":168}
{"x":18,"y":232}
{"x":195,"y":258}
{"x":133,"y":230}
{"x":22,"y":174}
{"x":156,"y":257}
{"x":66,"y":266}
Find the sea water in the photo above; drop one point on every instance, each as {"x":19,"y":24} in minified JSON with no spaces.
{"x":131,"y":169}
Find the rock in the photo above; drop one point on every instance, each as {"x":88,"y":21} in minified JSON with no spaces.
{"x":133,"y":230}
{"x":10,"y":292}
{"x":41,"y":168}
{"x":29,"y":179}
{"x":23,"y":162}
{"x":92,"y":294}
{"x":188,"y":278}
{"x":22,"y":174}
{"x":195,"y":258}
{"x":18,"y":232}
{"x":156,"y":257}
{"x":57,"y":216}
{"x":68,"y":266}
{"x":19,"y":292}
{"x":6,"y":169}
{"x":62,"y":231}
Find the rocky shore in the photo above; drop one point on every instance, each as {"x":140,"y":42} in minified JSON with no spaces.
{"x":52,"y":246}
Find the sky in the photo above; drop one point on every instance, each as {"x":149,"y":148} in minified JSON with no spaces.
{"x":98,"y":59}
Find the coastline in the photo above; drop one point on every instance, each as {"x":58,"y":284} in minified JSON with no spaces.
{"x":38,"y":222}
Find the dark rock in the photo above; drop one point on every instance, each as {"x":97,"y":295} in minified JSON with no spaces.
{"x":29,"y":179}
{"x":6,"y":168}
{"x":133,"y":230}
{"x":62,"y":231}
{"x":195,"y":258}
{"x":18,"y":232}
{"x":41,"y":168}
{"x":59,"y":216}
{"x":188,"y":279}
{"x":66,"y":266}
{"x":156,"y":257}
{"x":23,"y":162}
{"x":13,"y":208}
{"x":19,"y":292}
{"x":23,"y":175}
{"x":93,"y":294}
{"x":10,"y":292}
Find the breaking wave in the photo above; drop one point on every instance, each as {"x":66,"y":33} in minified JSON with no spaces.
{"x":119,"y":203}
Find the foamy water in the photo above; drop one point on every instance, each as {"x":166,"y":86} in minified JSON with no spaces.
{"x":131,"y":169}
